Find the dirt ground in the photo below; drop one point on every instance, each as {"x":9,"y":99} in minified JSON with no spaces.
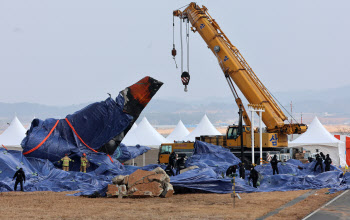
{"x":51,"y":205}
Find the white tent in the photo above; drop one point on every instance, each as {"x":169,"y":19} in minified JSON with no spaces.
{"x":148,"y":136}
{"x":317,"y":137}
{"x":178,"y":133}
{"x":205,"y":127}
{"x":14,"y":134}
{"x":130,"y":139}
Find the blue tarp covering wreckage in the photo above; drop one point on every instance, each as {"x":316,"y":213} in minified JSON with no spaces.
{"x":124,"y":153}
{"x":98,"y":130}
{"x":42,"y":175}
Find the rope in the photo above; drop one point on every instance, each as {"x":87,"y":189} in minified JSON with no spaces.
{"x":4,"y":147}
{"x":52,"y":129}
{"x":43,"y":141}
{"x":110,"y":157}
{"x":75,"y":132}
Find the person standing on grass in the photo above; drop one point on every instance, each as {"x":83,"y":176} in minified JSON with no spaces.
{"x":20,"y":177}
{"x":327,"y":163}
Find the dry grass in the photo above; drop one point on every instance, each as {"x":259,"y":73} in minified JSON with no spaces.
{"x":51,"y":205}
{"x":305,"y":207}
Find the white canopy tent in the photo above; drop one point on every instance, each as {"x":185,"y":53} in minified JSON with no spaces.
{"x":318,"y":138}
{"x":205,"y":127}
{"x":130,"y":139}
{"x":14,"y":134}
{"x":148,"y":136}
{"x":178,"y":133}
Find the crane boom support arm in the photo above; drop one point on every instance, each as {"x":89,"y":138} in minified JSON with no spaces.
{"x":234,"y":65}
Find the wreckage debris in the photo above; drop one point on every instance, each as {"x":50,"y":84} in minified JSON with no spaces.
{"x":97,"y":129}
{"x":141,"y":184}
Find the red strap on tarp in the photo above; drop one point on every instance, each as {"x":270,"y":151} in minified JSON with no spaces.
{"x":75,"y":132}
{"x":110,"y":157}
{"x":4,"y":146}
{"x":41,"y":143}
{"x":53,"y":128}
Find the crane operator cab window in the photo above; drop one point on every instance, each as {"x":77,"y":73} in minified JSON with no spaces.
{"x":166,"y":149}
{"x":233,"y":132}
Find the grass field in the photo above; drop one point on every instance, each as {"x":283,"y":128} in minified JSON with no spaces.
{"x":51,"y":205}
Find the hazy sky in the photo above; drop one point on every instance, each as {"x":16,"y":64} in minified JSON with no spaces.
{"x":65,"y":52}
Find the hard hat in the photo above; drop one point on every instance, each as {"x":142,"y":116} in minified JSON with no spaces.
{"x":66,"y":154}
{"x":84,"y":154}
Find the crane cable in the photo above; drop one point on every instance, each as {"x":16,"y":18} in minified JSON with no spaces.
{"x":188,"y":44}
{"x":182,"y":62}
{"x":174,"y":40}
{"x":291,"y":121}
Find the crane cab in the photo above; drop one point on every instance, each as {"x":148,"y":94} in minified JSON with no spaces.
{"x":269,"y":140}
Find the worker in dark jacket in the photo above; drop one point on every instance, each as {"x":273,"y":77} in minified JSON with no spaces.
{"x":20,"y":177}
{"x":318,"y":162}
{"x":179,"y":164}
{"x":254,"y":175}
{"x":241,"y":171}
{"x":172,"y":160}
{"x":322,"y":156}
{"x":274,"y":163}
{"x":169,"y":170}
{"x":231,"y":171}
{"x":327,"y":163}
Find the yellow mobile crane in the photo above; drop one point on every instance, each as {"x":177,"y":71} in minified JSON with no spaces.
{"x":237,"y":70}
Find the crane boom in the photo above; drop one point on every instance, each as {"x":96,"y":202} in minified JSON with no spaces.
{"x":236,"y":68}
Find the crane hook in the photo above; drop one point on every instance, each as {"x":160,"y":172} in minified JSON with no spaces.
{"x":185,"y":78}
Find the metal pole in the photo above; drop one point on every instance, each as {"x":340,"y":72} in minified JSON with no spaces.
{"x":133,"y":162}
{"x":260,"y":125}
{"x":241,"y":132}
{"x":252,"y":130}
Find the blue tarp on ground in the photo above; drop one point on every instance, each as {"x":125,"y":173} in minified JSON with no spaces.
{"x":208,"y":155}
{"x":43,"y":175}
{"x":124,"y":153}
{"x":294,"y":175}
